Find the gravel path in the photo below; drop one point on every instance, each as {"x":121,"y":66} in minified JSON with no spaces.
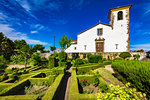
{"x":108,"y":67}
{"x":16,"y":66}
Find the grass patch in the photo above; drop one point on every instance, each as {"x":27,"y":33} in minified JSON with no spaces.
{"x":107,"y":75}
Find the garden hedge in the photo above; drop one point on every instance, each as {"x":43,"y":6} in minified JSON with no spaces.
{"x":135,"y":72}
{"x":89,"y":78}
{"x":16,"y":87}
{"x":51,"y":92}
{"x":87,"y":96}
{"x":74,"y":92}
{"x":4,"y":85}
{"x":107,"y":62}
{"x":20,"y":97}
{"x":42,"y":81}
{"x":91,"y":67}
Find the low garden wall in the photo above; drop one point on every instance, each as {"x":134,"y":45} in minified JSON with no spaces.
{"x":111,"y":55}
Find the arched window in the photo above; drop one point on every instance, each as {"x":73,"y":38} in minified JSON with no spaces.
{"x":120,"y":15}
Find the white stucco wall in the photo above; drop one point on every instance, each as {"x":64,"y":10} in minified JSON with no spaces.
{"x":116,"y":35}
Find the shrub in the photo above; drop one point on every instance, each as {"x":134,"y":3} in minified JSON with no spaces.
{"x":136,"y":56}
{"x":77,"y":62}
{"x":104,"y":59}
{"x":37,"y":60}
{"x":52,"y":62}
{"x":94,"y":58}
{"x":124,"y":55}
{"x":107,"y":62}
{"x":135,"y":72}
{"x":83,"y":82}
{"x":62,"y":56}
{"x":103,"y":86}
{"x":123,"y":93}
{"x":3,"y":62}
{"x":117,"y":59}
{"x":96,"y":81}
{"x":84,"y":56}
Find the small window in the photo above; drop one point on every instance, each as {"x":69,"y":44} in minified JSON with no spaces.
{"x":120,"y":15}
{"x":116,"y":46}
{"x":75,"y":48}
{"x":99,"y":31}
{"x":84,"y":47}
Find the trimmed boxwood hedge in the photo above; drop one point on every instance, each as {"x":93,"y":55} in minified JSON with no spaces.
{"x":20,"y":97}
{"x":107,"y":62}
{"x":89,"y":78}
{"x":90,"y":67}
{"x":51,"y":92}
{"x":42,"y":81}
{"x":4,"y":85}
{"x":16,"y":87}
{"x":74,"y":92}
{"x":87,"y":96}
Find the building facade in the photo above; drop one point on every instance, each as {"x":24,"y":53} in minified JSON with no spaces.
{"x":102,"y":38}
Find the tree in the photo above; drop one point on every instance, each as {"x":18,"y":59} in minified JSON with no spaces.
{"x":149,"y":51}
{"x":124,"y":55}
{"x":64,"y":42}
{"x":26,"y":51}
{"x":6,"y":48}
{"x":52,"y":48}
{"x":38,"y":47}
{"x":19,"y":43}
{"x":139,"y":50}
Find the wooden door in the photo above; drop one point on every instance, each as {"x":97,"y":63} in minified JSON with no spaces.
{"x":99,"y":46}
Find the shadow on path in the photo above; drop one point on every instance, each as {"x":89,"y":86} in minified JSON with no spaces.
{"x":63,"y":88}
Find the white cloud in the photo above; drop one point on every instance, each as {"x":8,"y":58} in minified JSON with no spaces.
{"x":24,"y":4}
{"x":14,"y":35}
{"x":34,"y":32}
{"x":141,"y":46}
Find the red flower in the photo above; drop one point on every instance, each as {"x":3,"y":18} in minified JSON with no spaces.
{"x":81,"y":79}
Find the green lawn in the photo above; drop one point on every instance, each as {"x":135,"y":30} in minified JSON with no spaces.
{"x":107,"y":75}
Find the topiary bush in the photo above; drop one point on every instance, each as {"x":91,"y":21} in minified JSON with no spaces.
{"x":136,"y":56}
{"x":125,"y":55}
{"x":52,"y":62}
{"x":94,"y":58}
{"x":62,"y":56}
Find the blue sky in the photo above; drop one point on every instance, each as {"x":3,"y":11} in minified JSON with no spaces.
{"x":38,"y":21}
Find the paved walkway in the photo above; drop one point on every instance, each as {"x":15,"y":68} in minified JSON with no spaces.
{"x":68,"y":85}
{"x":108,"y":67}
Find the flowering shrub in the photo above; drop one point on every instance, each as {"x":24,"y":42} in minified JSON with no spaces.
{"x":83,"y":82}
{"x":121,"y":93}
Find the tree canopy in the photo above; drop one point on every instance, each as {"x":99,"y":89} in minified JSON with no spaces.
{"x":19,"y":43}
{"x":64,"y":42}
{"x":139,"y":50}
{"x":52,"y":48}
{"x":38,"y":47}
{"x":124,"y":55}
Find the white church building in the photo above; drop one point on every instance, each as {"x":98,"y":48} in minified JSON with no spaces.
{"x":101,"y":38}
